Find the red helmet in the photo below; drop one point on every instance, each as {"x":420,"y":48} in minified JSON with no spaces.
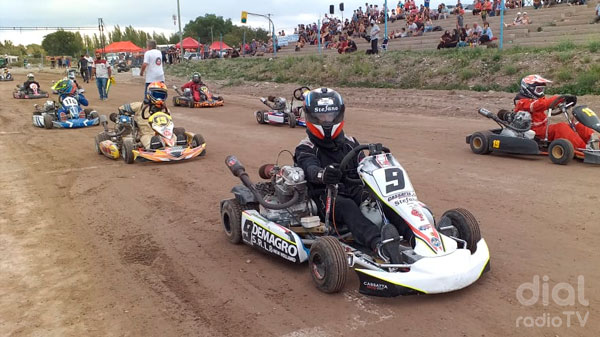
{"x":324,"y":112}
{"x":533,"y":86}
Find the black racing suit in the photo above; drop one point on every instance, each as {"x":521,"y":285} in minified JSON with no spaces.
{"x":26,"y":85}
{"x":312,"y":155}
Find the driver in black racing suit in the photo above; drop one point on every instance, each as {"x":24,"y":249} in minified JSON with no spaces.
{"x":320,"y":154}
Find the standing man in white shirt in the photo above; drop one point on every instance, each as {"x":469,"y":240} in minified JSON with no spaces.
{"x":152,"y":66}
{"x":101,"y":69}
{"x":374,"y":34}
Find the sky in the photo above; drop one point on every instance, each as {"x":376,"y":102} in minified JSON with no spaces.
{"x":156,"y":15}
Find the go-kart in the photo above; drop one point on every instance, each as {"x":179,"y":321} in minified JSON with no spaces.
{"x":207,"y":99}
{"x":122,"y":66}
{"x":6,"y":75}
{"x":32,"y":92}
{"x":516,"y":137}
{"x":284,"y":113}
{"x":277,"y":217}
{"x":74,"y":116}
{"x":123,"y":140}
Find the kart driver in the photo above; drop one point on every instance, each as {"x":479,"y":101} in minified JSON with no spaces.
{"x":275,"y":103}
{"x":156,"y":96}
{"x":531,"y":98}
{"x":320,"y":154}
{"x":66,"y":88}
{"x":194,"y":85}
{"x":30,"y":80}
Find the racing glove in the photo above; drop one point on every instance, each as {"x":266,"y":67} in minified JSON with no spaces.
{"x":330,"y":175}
{"x":570,"y":98}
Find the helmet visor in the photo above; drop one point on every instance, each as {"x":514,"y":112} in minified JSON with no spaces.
{"x":158,"y":95}
{"x":539,"y":90}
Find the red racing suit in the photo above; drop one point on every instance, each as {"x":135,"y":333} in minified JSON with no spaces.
{"x":195,"y":88}
{"x":537,"y":108}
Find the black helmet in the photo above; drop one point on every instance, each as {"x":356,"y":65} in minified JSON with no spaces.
{"x":533,"y":86}
{"x":324,"y":110}
{"x":196,"y":77}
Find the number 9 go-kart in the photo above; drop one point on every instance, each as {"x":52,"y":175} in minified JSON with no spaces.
{"x":280,"y":112}
{"x":68,"y":114}
{"x":516,"y":137}
{"x":207,"y":99}
{"x":123,"y":140}
{"x":278,"y":217}
{"x":32,"y":92}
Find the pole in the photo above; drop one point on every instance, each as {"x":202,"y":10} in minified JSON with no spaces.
{"x":220,"y":44}
{"x":385,"y":9}
{"x":319,"y":34}
{"x":212,"y":39}
{"x":180,"y":33}
{"x":500,"y":43}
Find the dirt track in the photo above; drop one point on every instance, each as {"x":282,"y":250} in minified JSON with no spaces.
{"x":94,"y":247}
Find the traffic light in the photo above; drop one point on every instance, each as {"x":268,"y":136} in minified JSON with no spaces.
{"x":244,"y":16}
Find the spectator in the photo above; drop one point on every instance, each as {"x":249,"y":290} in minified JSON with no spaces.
{"x":102,"y":71}
{"x":487,"y":34}
{"x":537,"y":4}
{"x":153,"y":65}
{"x":60,"y":62}
{"x":597,"y":18}
{"x":83,"y":68}
{"x":487,"y":9}
{"x":526,"y":20}
{"x":443,"y":11}
{"x":90,"y":63}
{"x":477,"y":7}
{"x":374,"y":37}
{"x":459,"y":17}
{"x":516,"y":22}
{"x":448,"y":41}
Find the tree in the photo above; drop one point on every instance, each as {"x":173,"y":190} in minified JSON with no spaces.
{"x":63,"y":43}
{"x":209,"y":28}
{"x":35,"y":50}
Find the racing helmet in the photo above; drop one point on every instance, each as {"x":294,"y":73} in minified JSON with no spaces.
{"x":156,"y":94}
{"x":196,"y":77}
{"x":324,"y":109}
{"x":533,"y":86}
{"x":30,"y":77}
{"x":65,"y":87}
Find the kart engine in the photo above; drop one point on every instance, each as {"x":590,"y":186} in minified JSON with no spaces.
{"x":519,"y":120}
{"x":284,"y":180}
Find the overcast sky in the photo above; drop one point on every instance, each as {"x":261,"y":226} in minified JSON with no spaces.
{"x":156,"y":15}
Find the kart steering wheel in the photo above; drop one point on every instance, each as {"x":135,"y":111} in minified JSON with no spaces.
{"x":374,"y":149}
{"x":560,"y":101}
{"x":299,"y":93}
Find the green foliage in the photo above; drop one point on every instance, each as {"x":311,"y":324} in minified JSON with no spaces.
{"x":466,"y":74}
{"x":209,"y":28}
{"x":564,"y":75}
{"x":593,"y":46}
{"x":63,"y":43}
{"x":510,"y":70}
{"x":565,"y":46}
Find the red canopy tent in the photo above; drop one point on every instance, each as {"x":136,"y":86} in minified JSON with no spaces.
{"x":121,"y":46}
{"x":190,"y":43}
{"x":219,"y":46}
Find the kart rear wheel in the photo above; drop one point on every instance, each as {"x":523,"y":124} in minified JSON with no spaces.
{"x":328,"y":264}
{"x":466,"y":225}
{"x":128,"y":146}
{"x":92,"y":114}
{"x":231,"y":218}
{"x":99,"y":139}
{"x":191,"y":103}
{"x":479,"y":143}
{"x":198,"y":140}
{"x":291,"y":120}
{"x":48,"y":121}
{"x":561,"y":151}
{"x":260,"y":117}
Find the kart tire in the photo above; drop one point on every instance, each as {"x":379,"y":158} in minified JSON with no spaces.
{"x":191,"y":103}
{"x":561,"y":151}
{"x":99,"y":139}
{"x":48,"y":121}
{"x":175,"y":101}
{"x":198,"y":140}
{"x":179,"y":131}
{"x":260,"y":117}
{"x":479,"y":143}
{"x":328,"y":264}
{"x":231,"y":218}
{"x":466,"y":225}
{"x":291,"y":120}
{"x":92,"y":114}
{"x":128,"y":146}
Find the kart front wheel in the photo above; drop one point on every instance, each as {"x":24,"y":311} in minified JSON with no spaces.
{"x":328,"y":264}
{"x":128,"y":146}
{"x":460,"y":223}
{"x":479,"y":143}
{"x":231,"y":218}
{"x":292,"y":120}
{"x":561,"y":151}
{"x":48,"y":121}
{"x":99,"y":139}
{"x":260,"y":117}
{"x":198,"y":140}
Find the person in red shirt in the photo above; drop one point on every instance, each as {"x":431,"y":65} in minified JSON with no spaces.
{"x":531,"y":98}
{"x":194,"y":85}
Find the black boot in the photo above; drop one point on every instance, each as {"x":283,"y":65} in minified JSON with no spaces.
{"x":181,"y":139}
{"x":389,"y":248}
{"x":156,"y":143}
